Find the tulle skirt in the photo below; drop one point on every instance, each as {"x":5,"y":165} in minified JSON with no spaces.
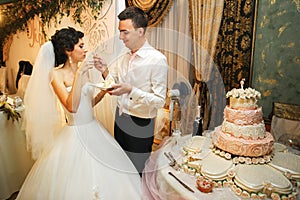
{"x":85,"y":162}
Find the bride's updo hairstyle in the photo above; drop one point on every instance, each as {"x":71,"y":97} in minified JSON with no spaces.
{"x":64,"y":40}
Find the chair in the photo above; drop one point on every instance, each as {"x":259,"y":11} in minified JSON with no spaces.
{"x":285,"y":124}
{"x":25,"y":68}
{"x":24,"y":79}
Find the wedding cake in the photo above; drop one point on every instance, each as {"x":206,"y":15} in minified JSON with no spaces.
{"x":243,"y":132}
{"x":242,"y":155}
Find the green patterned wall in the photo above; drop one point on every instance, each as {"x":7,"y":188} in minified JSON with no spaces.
{"x":276,"y":66}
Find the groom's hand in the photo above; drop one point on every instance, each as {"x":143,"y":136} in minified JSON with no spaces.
{"x":101,"y":65}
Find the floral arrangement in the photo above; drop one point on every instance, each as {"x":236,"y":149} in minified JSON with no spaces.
{"x":241,"y":93}
{"x":18,"y":13}
{"x":10,"y":111}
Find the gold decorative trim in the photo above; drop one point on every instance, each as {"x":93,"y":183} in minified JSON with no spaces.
{"x":286,"y":111}
{"x":144,"y":4}
{"x":155,"y":9}
{"x":191,"y":19}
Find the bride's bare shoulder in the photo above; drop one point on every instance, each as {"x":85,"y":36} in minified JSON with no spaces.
{"x":57,"y":74}
{"x":57,"y":71}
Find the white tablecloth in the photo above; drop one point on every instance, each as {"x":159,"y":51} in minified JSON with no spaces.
{"x":15,"y":161}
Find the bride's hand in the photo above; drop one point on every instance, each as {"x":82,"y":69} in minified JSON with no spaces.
{"x":85,"y":66}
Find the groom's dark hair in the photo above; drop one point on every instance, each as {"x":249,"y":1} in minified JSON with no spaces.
{"x":138,"y":16}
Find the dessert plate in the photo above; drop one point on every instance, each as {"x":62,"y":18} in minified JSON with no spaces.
{"x":101,"y":86}
{"x":215,"y":167}
{"x":277,"y":147}
{"x":287,"y":162}
{"x":106,"y":85}
{"x":197,"y":144}
{"x":257,"y":178}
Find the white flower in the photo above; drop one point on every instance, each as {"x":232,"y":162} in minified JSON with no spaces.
{"x":10,"y":111}
{"x":243,"y":93}
{"x":235,"y":93}
{"x":228,"y":94}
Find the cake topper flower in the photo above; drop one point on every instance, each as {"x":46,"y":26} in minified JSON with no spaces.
{"x":242,"y":93}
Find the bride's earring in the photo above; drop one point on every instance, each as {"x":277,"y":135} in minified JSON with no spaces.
{"x":70,"y":60}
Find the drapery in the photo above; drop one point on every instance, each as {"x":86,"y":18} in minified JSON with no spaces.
{"x":155,"y":9}
{"x":234,"y":47}
{"x":235,"y":42}
{"x":205,"y":20}
{"x":173,"y":38}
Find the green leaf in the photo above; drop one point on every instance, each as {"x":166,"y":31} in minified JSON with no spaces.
{"x":18,"y":13}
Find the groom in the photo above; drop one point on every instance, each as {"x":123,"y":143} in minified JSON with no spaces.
{"x":141,"y":74}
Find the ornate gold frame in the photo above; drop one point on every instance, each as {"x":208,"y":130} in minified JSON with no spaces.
{"x":253,"y":41}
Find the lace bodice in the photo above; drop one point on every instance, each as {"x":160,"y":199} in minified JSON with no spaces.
{"x":85,"y":112}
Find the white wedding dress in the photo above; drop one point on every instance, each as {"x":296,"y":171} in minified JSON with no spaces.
{"x":85,"y":162}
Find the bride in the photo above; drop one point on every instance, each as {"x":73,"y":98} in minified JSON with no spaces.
{"x":83,"y":161}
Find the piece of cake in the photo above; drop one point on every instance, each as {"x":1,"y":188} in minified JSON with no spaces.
{"x":109,"y":82}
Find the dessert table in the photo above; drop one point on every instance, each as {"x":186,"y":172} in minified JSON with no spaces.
{"x":15,"y":161}
{"x":159,"y":184}
{"x":167,"y":187}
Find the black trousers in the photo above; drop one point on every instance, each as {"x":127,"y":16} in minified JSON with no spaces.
{"x":135,"y":135}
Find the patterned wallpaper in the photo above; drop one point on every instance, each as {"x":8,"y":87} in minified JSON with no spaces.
{"x":233,"y":51}
{"x":276,"y":67}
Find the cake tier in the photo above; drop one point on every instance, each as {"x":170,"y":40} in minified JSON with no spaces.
{"x":243,"y":98}
{"x":243,"y":117}
{"x":256,"y":131}
{"x":241,"y":146}
{"x":239,"y":103}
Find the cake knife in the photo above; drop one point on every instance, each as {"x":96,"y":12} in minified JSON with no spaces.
{"x":182,"y":183}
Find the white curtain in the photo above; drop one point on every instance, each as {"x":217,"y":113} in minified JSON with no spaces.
{"x":172,"y":37}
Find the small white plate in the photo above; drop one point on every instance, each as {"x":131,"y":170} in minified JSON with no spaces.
{"x":101,"y":86}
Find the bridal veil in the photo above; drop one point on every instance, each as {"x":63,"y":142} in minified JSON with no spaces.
{"x":42,"y":115}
